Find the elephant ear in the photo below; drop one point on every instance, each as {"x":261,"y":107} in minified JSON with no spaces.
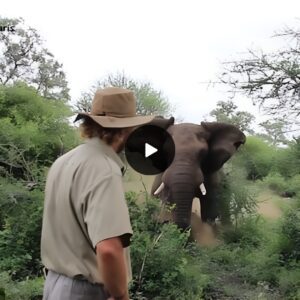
{"x":162,"y":122}
{"x":223,"y":141}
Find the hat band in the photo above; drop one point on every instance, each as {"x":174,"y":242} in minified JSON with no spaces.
{"x":116,"y":115}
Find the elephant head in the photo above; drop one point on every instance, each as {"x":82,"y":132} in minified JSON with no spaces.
{"x":200,"y":151}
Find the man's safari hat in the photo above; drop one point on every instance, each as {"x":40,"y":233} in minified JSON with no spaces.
{"x":114,"y":107}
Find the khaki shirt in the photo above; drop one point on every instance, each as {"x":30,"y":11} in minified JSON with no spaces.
{"x":84,"y":204}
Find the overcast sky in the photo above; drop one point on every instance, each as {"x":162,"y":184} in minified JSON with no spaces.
{"x":176,"y":45}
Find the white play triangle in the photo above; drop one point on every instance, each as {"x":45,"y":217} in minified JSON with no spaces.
{"x":149,"y":150}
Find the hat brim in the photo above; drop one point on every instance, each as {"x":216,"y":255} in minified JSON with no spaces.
{"x":113,"y":122}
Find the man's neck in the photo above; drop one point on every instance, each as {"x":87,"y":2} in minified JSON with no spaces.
{"x":117,"y":145}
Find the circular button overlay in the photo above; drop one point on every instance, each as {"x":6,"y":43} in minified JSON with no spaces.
{"x":150,"y":150}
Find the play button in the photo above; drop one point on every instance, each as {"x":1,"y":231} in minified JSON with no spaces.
{"x":149,"y":150}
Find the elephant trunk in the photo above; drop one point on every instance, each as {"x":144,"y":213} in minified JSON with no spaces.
{"x":182,"y":194}
{"x":182,"y":181}
{"x":182,"y":212}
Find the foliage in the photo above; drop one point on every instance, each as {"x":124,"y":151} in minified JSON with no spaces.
{"x":162,"y":265}
{"x":149,"y":100}
{"x":275,"y":131}
{"x":276,"y":182}
{"x":241,"y":203}
{"x":33,"y":131}
{"x":272,"y":80}
{"x":29,"y":289}
{"x":287,"y":161}
{"x":294,"y":157}
{"x":226,"y":112}
{"x":24,"y":58}
{"x":260,"y":255}
{"x":276,"y":262}
{"x":235,"y":199}
{"x":20,"y":224}
{"x":247,"y":232}
{"x":284,"y":176}
{"x":294,"y":185}
{"x":289,"y":243}
{"x":258,"y":157}
{"x":289,"y":282}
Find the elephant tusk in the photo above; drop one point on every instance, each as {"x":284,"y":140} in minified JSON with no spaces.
{"x":160,"y":188}
{"x":203,"y":189}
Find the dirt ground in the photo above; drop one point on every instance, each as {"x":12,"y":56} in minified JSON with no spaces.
{"x":267,"y":206}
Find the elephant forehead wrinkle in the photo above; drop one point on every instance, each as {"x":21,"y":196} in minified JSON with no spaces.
{"x":188,"y":153}
{"x":181,"y":161}
{"x":183,"y":172}
{"x":180,"y":183}
{"x":179,"y":189}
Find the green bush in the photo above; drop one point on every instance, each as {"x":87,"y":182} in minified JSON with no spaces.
{"x":247,"y":232}
{"x":289,"y":242}
{"x":276,"y":182}
{"x":224,"y":255}
{"x":20,"y":232}
{"x":258,"y":157}
{"x":260,"y":266}
{"x":235,"y":199}
{"x":32,"y":129}
{"x":29,"y":289}
{"x":289,"y":282}
{"x":275,"y":261}
{"x":287,"y":162}
{"x":162,"y":265}
{"x":294,"y":185}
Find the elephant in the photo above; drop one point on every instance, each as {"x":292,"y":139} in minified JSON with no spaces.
{"x":200,"y":152}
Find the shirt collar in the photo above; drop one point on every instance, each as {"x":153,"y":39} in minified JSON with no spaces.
{"x":108,"y":150}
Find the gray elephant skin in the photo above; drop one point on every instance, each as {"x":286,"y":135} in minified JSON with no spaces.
{"x":200,"y":152}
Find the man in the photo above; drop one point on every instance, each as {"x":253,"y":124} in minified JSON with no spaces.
{"x":86,"y":226}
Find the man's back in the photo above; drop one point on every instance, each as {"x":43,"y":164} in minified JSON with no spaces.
{"x":73,"y":183}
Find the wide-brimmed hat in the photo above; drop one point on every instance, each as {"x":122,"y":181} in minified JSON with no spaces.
{"x":114,"y":107}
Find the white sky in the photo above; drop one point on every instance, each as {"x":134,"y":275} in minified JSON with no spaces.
{"x":176,"y":45}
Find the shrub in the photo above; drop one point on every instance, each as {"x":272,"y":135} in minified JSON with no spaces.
{"x":294,"y":185}
{"x":30,"y":289}
{"x":258,"y":157}
{"x":162,"y":265}
{"x":225,"y":255}
{"x":276,"y":182}
{"x":287,"y":161}
{"x":276,"y":261}
{"x":289,"y":242}
{"x":289,"y":282}
{"x":33,"y":129}
{"x":247,"y":232}
{"x":21,"y":229}
{"x":235,"y":200}
{"x":260,"y":266}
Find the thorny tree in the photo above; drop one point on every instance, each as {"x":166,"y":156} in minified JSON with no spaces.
{"x":272,"y":80}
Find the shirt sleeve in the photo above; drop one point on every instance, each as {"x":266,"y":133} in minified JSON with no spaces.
{"x":106,"y":214}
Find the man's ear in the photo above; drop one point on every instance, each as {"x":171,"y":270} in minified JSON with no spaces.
{"x":162,"y":122}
